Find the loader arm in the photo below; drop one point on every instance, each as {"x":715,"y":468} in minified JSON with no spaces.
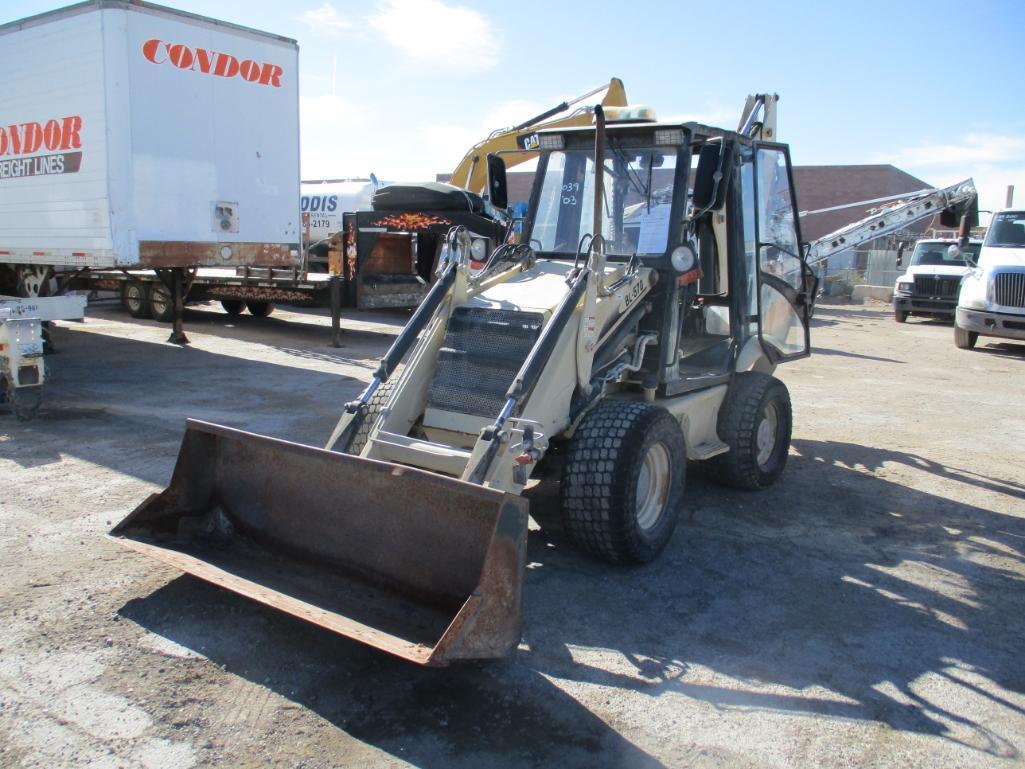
{"x":471,"y":173}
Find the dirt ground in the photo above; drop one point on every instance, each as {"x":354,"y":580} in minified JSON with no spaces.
{"x":866,"y":611}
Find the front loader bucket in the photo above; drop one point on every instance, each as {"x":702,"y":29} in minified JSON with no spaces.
{"x":425,"y":567}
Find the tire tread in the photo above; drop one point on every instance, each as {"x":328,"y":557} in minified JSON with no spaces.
{"x":595,"y":487}
{"x":737,"y":427}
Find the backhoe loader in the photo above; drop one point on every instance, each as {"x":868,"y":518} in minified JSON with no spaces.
{"x":632,"y":326}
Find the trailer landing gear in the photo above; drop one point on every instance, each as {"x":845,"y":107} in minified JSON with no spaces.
{"x":174,"y":281}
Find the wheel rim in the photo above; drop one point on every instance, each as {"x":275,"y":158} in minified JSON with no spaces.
{"x":159,"y":302}
{"x":133,"y":297}
{"x":32,"y":281}
{"x":653,"y":486}
{"x":765,"y":439}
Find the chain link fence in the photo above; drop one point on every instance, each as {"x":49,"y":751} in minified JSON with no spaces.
{"x":839,"y":274}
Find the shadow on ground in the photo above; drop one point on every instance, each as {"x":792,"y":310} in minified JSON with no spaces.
{"x":122,"y":403}
{"x":309,"y":325}
{"x":836,"y":607}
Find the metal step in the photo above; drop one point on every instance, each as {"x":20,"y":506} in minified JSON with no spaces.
{"x":707,"y":450}
{"x":392,"y":447}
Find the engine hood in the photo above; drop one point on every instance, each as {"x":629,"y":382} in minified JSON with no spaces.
{"x":935,"y":269}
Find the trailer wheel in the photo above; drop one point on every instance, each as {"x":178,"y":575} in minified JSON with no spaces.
{"x":233,"y":306}
{"x":901,"y":316}
{"x":160,"y":305}
{"x":755,"y":421}
{"x":133,"y":296}
{"x":623,"y":481}
{"x":965,"y":339}
{"x":374,"y":406}
{"x":260,"y":309}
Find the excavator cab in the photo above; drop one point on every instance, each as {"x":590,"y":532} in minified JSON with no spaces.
{"x":632,"y":328}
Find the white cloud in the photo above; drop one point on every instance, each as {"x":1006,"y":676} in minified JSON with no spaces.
{"x":992,"y":160}
{"x":329,"y":111}
{"x":325,"y":20}
{"x":719,"y":117}
{"x":973,"y":148}
{"x":450,"y":36}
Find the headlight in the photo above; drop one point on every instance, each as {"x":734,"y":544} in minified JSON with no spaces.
{"x":478,"y":249}
{"x":905,"y":287}
{"x":683,"y":259}
{"x":973,"y":304}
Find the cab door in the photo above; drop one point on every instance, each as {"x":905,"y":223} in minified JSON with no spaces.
{"x":785,"y":283}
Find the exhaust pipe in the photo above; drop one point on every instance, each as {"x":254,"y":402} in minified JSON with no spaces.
{"x":422,"y":566}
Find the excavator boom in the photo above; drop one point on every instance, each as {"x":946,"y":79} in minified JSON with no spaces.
{"x":471,"y":173}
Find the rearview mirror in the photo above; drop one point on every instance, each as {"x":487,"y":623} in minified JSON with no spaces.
{"x":498,"y":188}
{"x":712,"y":176}
{"x":900,"y":254}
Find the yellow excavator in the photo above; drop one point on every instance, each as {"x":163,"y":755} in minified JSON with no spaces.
{"x":471,"y":173}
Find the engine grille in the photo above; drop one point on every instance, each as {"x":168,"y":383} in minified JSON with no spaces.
{"x":482,"y":352}
{"x":941,"y":286}
{"x":1009,"y":289}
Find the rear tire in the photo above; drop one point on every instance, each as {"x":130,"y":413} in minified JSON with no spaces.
{"x":233,"y":306}
{"x":133,"y":295}
{"x":963,"y":338}
{"x":900,"y":316}
{"x":160,"y":305}
{"x":260,"y":309}
{"x":623,"y":482}
{"x":374,"y":406}
{"x":755,"y":422}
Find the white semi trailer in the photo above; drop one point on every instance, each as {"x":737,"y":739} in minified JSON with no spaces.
{"x":136,"y":136}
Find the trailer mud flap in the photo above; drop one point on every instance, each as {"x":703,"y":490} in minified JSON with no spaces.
{"x":424,"y":567}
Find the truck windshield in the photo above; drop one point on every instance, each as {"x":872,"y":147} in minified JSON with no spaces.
{"x":637,"y":200}
{"x":1007,"y":230}
{"x":938,"y":254}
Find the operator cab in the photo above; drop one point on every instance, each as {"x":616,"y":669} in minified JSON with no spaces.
{"x":713,"y":212}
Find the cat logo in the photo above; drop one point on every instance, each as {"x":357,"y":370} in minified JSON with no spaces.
{"x":531,"y":142}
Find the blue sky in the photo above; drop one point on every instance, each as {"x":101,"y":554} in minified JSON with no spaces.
{"x":403,"y":87}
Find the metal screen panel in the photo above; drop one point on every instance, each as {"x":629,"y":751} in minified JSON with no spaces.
{"x":483,"y":350}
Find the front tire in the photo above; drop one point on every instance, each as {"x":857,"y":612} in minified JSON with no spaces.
{"x":756,"y":422}
{"x":963,"y":338}
{"x":623,"y":482}
{"x":900,"y":316}
{"x":377,"y":402}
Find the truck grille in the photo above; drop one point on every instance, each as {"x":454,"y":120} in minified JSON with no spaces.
{"x":941,"y":286}
{"x":482,"y":352}
{"x":1009,"y":289}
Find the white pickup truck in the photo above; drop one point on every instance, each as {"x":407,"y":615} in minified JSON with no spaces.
{"x":933,"y":277}
{"x":992,"y":298}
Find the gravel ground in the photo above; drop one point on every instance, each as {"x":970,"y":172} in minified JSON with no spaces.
{"x":866,"y":611}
